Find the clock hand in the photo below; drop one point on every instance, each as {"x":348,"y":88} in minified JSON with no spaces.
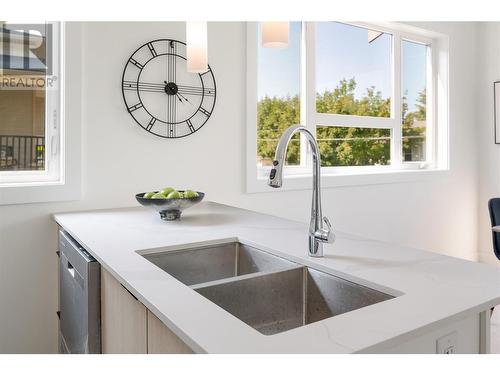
{"x":183,"y":97}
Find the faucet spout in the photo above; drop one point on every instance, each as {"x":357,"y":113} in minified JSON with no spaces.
{"x":320,"y":230}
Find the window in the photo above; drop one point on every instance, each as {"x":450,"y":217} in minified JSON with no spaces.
{"x":353,"y":70}
{"x":414,"y":100}
{"x":368,"y":92}
{"x":30,"y":103}
{"x":278,"y":105}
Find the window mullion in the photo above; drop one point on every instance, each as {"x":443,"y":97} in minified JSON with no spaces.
{"x":396,"y":138}
{"x":330,"y":119}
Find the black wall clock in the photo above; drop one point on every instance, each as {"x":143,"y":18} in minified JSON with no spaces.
{"x":160,"y":94}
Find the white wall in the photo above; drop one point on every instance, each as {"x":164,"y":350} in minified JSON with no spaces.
{"x":120,"y":159}
{"x":489,"y":153}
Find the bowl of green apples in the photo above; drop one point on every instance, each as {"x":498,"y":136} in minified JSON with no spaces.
{"x":170,"y":202}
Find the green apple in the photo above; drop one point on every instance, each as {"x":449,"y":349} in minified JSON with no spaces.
{"x":148,"y":195}
{"x":190,"y":194}
{"x":167,"y":191}
{"x":158,"y":195}
{"x":174,"y":195}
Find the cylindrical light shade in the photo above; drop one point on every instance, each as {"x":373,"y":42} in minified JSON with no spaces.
{"x":274,"y":34}
{"x":196,"y":47}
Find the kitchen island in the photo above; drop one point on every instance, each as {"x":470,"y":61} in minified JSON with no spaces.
{"x":435,"y":303}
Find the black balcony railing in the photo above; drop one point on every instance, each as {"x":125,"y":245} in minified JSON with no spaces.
{"x":22,"y":152}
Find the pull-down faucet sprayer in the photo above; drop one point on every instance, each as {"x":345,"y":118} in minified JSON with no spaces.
{"x":318,"y":234}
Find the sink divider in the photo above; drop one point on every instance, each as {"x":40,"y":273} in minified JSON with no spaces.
{"x":249,"y":276}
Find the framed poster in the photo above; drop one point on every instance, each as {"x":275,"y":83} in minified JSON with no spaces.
{"x":496,"y":109}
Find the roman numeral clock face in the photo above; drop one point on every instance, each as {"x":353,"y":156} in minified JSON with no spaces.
{"x":160,"y":94}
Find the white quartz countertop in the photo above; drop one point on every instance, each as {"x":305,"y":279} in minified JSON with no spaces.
{"x":431,"y":289}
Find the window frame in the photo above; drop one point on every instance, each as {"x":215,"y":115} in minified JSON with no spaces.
{"x":54,"y":129}
{"x":70,"y":186}
{"x":436,"y":121}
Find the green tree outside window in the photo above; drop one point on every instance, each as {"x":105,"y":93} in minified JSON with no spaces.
{"x":342,"y":146}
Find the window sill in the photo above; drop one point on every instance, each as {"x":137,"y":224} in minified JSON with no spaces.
{"x":348,"y":178}
{"x":40,"y":192}
{"x":29,"y":178}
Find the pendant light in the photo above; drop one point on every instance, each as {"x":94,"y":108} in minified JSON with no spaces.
{"x":275,"y":34}
{"x":196,"y":47}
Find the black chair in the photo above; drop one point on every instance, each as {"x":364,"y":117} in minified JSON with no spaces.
{"x":494,"y":208}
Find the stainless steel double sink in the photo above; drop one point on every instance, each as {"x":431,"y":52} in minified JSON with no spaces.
{"x":267,"y":292}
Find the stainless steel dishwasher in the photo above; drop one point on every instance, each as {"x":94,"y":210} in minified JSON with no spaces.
{"x":79,"y":298}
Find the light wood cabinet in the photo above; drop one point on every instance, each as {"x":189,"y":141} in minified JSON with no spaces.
{"x":128,"y":327}
{"x":161,"y":340}
{"x":123,"y":319}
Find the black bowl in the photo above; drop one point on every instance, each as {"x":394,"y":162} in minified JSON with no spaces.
{"x":169,"y":208}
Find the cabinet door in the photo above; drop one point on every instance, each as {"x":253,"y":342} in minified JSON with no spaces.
{"x":123,"y":319}
{"x":161,"y":340}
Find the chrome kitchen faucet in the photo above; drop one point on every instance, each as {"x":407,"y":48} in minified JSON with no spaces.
{"x":318,"y":234}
